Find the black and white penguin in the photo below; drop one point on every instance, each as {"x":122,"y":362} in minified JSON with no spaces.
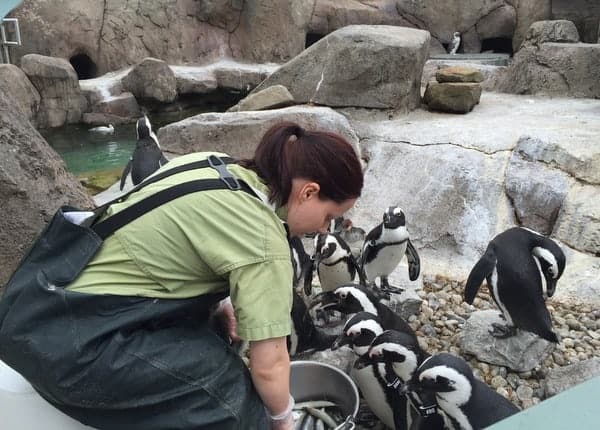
{"x":358,"y":333}
{"x":103,"y":129}
{"x":454,"y":43}
{"x":334,"y":261}
{"x":467,"y":403}
{"x":147,"y":156}
{"x":302,"y":265}
{"x":384,"y":248}
{"x":305,"y":336}
{"x":354,"y":298}
{"x":520,"y":266}
{"x":402,"y":354}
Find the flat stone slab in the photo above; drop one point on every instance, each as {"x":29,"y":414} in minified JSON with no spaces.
{"x":495,"y":59}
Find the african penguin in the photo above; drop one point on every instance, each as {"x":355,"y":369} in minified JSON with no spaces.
{"x":384,"y":248}
{"x":305,"y":336}
{"x":147,"y":156}
{"x":467,"y":403}
{"x":354,"y":298}
{"x":334,"y":262}
{"x":103,"y":129}
{"x":302,"y":265}
{"x":454,"y":43}
{"x":358,"y":333}
{"x":403,"y":355}
{"x":520,"y":265}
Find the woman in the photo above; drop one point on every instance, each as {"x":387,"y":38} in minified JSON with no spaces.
{"x":127,"y":344}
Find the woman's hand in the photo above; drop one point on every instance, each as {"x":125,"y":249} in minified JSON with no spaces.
{"x":224,"y":313}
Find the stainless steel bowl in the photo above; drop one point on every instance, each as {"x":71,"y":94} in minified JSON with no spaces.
{"x":311,"y":380}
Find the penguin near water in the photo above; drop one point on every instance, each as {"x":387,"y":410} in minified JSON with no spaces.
{"x":454,"y":43}
{"x":103,"y":129}
{"x":147,"y":156}
{"x":402,"y":354}
{"x":520,"y":266}
{"x":384,"y":248}
{"x":467,"y":403}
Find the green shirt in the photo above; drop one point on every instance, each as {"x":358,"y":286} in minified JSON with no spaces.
{"x":201,"y":243}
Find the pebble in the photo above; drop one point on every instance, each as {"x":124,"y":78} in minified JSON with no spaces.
{"x":524,"y":392}
{"x":498,"y":381}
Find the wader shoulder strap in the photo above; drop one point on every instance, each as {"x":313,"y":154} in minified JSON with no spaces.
{"x":226,"y":181}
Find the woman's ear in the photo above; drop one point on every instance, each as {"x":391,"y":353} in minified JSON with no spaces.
{"x":310,"y":190}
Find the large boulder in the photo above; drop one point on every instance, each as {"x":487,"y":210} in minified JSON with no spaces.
{"x":558,"y":69}
{"x":585,"y":14}
{"x":269,"y":98}
{"x":34,"y":184}
{"x":153,"y":80}
{"x":453,"y":97}
{"x":238,"y":133}
{"x":15,"y":84}
{"x":364,"y":66}
{"x":61,"y":99}
{"x":528,"y":12}
{"x":560,"y":31}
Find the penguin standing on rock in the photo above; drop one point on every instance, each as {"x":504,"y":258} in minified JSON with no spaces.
{"x":384,"y":248}
{"x":147,"y":156}
{"x":467,"y":403}
{"x":520,"y":266}
{"x":454,"y":43}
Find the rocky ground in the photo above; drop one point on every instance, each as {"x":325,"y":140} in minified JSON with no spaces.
{"x":443,"y":314}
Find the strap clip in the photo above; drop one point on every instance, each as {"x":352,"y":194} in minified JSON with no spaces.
{"x":224,"y":174}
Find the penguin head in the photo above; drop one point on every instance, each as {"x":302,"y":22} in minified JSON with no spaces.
{"x":359,"y":331}
{"x":336,"y":225}
{"x":400,"y":350}
{"x":330,"y":247}
{"x":551,"y":260}
{"x":144,"y":131}
{"x":347,"y":299}
{"x":393,"y":218}
{"x":447,"y":376}
{"x":456,"y":34}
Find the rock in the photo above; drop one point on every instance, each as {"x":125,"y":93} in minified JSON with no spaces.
{"x":520,"y":353}
{"x":558,"y":69}
{"x":15,"y":84}
{"x":151,"y":79}
{"x":269,"y":98}
{"x":238,"y":133}
{"x":458,"y":74}
{"x":34,"y":184}
{"x":61,"y":100}
{"x":537,"y":193}
{"x":560,"y":31}
{"x":382,"y":65}
{"x":562,"y":378}
{"x":124,"y":106}
{"x":578,"y":224}
{"x":501,"y":22}
{"x":492,"y":75}
{"x":529,"y":12}
{"x":452,"y":97}
{"x":342,"y":358}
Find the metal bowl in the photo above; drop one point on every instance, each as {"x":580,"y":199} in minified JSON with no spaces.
{"x":311,"y":380}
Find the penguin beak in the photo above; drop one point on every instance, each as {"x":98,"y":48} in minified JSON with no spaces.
{"x":362,"y":362}
{"x":326,"y":300}
{"x":340,"y":341}
{"x":550,"y":287}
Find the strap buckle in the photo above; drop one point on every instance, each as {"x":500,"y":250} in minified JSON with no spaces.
{"x":224,"y":174}
{"x":426,"y":411}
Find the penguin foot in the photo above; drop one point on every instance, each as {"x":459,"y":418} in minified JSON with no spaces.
{"x":365,"y":417}
{"x":502,"y":331}
{"x":389,"y":289}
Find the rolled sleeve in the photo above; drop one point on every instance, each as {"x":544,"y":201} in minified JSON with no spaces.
{"x":261,"y":295}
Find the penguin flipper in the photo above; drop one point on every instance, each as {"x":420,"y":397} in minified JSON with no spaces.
{"x":480,"y":271}
{"x":125,"y":173}
{"x":307,"y":273}
{"x":414,"y":263}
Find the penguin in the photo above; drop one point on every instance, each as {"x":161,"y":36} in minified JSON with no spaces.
{"x":354,"y":298}
{"x":467,"y":403}
{"x":334,"y":262}
{"x":358,"y":333}
{"x":147,"y":156}
{"x":302,"y":265}
{"x":384,"y":248}
{"x":402,"y":354}
{"x":454,"y":43}
{"x":520,"y":266}
{"x":305,"y":336}
{"x":110,"y":129}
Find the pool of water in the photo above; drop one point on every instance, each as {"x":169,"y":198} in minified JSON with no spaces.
{"x":87,"y":153}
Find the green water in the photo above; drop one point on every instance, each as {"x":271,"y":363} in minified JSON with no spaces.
{"x":86,"y":152}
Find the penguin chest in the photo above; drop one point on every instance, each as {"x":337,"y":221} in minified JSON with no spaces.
{"x":373,"y":392}
{"x":387,"y":259}
{"x":335,"y":275}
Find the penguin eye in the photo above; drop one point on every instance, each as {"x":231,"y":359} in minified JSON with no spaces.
{"x":551,"y":271}
{"x":343,"y":294}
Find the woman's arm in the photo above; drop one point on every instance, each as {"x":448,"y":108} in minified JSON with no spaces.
{"x":270,"y":370}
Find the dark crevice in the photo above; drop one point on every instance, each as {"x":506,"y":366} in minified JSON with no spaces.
{"x":497,"y":45}
{"x":84,"y":66}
